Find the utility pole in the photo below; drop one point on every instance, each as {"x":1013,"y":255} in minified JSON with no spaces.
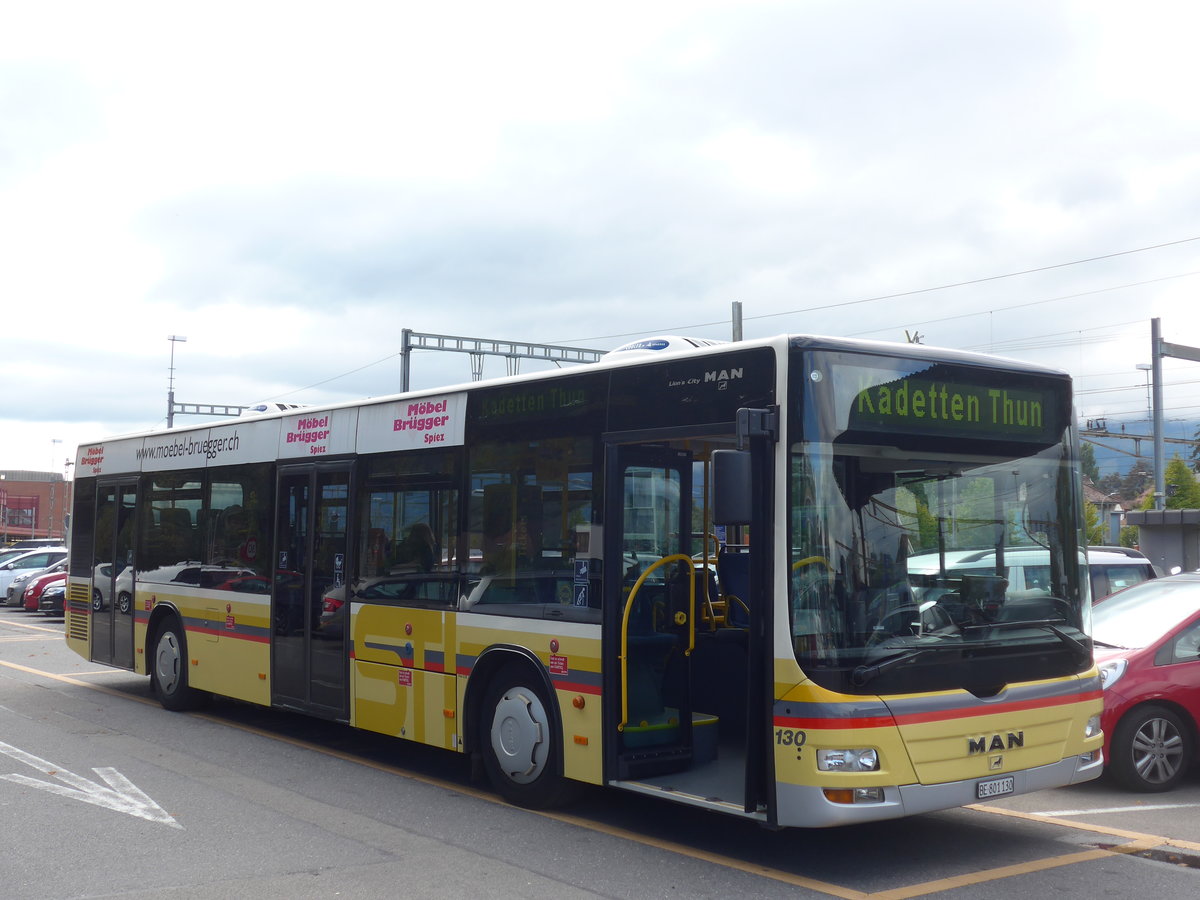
{"x":174,"y":339}
{"x":478,"y":348}
{"x":737,"y":320}
{"x":1158,"y":349}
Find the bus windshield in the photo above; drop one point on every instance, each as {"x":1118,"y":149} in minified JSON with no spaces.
{"x":931,"y":526}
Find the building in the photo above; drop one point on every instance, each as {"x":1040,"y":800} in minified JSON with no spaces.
{"x":1109,"y":509}
{"x":1170,"y":538}
{"x":33,"y":505}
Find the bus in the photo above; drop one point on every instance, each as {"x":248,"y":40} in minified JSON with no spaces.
{"x":681,"y":571}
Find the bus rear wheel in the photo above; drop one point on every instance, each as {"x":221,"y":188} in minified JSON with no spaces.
{"x":522,"y":750}
{"x":168,"y":668}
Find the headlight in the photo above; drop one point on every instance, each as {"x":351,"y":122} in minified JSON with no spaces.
{"x":1092,"y":728}
{"x":1111,"y":672}
{"x":861,"y":760}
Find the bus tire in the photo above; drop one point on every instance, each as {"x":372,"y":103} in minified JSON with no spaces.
{"x":169,"y":668}
{"x":522,"y":749}
{"x":1152,"y":749}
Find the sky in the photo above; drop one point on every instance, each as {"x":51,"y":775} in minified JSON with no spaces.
{"x":289,"y":185}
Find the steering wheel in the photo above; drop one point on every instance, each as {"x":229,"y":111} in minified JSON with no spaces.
{"x":883,"y":632}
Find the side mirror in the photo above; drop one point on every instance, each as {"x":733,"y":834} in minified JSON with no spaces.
{"x":731,"y":487}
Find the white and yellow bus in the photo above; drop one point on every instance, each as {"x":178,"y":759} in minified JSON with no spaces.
{"x":680,"y":572}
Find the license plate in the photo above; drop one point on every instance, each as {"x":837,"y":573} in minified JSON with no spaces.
{"x":997,"y":787}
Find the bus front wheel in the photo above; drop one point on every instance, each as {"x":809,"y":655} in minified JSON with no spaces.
{"x":521,"y":747}
{"x":168,"y":668}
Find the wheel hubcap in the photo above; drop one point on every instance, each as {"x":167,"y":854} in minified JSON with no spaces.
{"x":1157,"y":751}
{"x":166,"y":662}
{"x":519,"y":727}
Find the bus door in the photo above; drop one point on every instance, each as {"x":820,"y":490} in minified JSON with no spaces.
{"x":112,"y":619}
{"x":651,"y":623}
{"x":309,"y":662}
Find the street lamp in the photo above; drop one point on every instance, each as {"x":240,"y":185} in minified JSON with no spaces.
{"x":54,"y":442}
{"x":174,"y":339}
{"x":1147,"y":368}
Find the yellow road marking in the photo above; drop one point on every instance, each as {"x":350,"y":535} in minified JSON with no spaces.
{"x":1037,"y":865}
{"x":1085,"y":826}
{"x":1137,"y":841}
{"x":46,"y":628}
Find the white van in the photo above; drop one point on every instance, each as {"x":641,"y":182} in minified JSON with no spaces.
{"x":1110,"y":569}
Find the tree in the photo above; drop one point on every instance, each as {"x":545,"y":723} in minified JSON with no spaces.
{"x":1135,"y":483}
{"x":1183,"y":490}
{"x":1130,"y":535}
{"x":1110,"y":484}
{"x":1095,"y":528}
{"x":1087,"y":462}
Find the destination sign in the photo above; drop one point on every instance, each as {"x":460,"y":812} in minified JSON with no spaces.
{"x":954,"y":407}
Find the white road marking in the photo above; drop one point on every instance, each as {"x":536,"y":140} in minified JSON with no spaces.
{"x":1058,"y":813}
{"x":121,"y":795}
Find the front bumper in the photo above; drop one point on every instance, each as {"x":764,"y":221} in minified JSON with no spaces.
{"x":805,"y":806}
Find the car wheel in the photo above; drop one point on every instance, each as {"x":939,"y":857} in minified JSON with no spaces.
{"x":522,"y":751}
{"x":124,"y":602}
{"x":97,"y":601}
{"x":1151,"y":749}
{"x":169,"y":668}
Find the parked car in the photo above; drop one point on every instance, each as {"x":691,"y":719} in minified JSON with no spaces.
{"x":13,"y":552}
{"x":35,"y":543}
{"x":1113,"y":569}
{"x":1110,"y":569}
{"x":1147,"y":644}
{"x":19,"y":588}
{"x":35,"y":587}
{"x":189,"y":573}
{"x":29,"y":561}
{"x":53,"y":599}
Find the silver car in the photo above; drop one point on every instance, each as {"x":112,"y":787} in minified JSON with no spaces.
{"x":28,"y":562}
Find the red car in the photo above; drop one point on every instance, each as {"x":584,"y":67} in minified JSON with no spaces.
{"x":1147,"y":644}
{"x":35,"y":586}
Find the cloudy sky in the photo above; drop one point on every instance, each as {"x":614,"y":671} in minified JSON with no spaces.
{"x":289,"y":185}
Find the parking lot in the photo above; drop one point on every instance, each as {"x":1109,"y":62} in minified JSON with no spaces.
{"x":239,"y":798}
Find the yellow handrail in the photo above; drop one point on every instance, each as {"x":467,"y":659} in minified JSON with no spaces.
{"x":624,"y":657}
{"x":810,"y":560}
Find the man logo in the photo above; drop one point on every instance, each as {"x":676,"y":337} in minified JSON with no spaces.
{"x":996,"y":742}
{"x":722,"y":375}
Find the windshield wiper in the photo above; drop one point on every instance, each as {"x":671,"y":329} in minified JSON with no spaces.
{"x":864,"y":673}
{"x":1097,"y":643}
{"x":1050,"y":625}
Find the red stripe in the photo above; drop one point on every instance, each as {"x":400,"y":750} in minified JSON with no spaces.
{"x":811,"y":724}
{"x":560,"y":685}
{"x":942,"y":715}
{"x":221,"y":632}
